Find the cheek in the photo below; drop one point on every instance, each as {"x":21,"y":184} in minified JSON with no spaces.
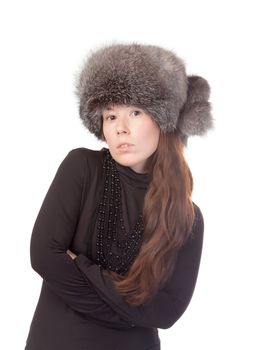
{"x":149,"y":131}
{"x":105,"y":130}
{"x":107,"y":133}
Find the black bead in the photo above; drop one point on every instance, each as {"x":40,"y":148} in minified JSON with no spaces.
{"x":121,"y":260}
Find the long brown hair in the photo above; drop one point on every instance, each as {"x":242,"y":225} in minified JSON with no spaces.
{"x":168,"y":217}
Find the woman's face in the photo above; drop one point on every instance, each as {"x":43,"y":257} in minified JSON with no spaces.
{"x":130,"y":124}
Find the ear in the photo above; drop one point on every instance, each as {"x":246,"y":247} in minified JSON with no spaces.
{"x":195,"y":117}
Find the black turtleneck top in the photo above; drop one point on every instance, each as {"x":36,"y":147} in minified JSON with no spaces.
{"x":78,"y":307}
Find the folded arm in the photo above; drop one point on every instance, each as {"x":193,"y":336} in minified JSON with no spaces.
{"x":170,"y":302}
{"x":51,"y":237}
{"x":79,"y":282}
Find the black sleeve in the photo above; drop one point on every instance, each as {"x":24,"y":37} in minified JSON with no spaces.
{"x":170,"y":302}
{"x":80,"y":283}
{"x":51,"y":236}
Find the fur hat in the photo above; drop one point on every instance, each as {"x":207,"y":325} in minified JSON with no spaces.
{"x":146,"y":76}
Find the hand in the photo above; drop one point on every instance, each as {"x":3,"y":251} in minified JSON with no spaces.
{"x":71,"y":254}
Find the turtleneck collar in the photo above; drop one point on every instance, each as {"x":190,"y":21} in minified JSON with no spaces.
{"x":127,"y":174}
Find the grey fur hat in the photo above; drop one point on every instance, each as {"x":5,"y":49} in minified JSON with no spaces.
{"x":146,"y":76}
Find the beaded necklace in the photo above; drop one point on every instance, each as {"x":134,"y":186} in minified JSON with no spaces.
{"x":115,"y":248}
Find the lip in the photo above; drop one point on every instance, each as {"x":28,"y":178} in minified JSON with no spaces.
{"x":125,"y":143}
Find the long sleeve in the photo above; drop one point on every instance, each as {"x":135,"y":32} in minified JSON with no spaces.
{"x":170,"y":302}
{"x":80,"y":283}
{"x":52,"y":234}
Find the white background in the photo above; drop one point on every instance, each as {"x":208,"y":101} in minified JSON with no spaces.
{"x":42,"y":45}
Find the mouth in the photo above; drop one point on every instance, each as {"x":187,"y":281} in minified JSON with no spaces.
{"x":125,"y":148}
{"x":124,"y":145}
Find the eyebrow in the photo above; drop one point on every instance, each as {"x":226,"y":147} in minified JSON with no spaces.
{"x":129,"y":106}
{"x":109,"y":109}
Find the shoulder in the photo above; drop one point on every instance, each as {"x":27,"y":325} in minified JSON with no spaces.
{"x":189,"y":254}
{"x":80,"y":163}
{"x":199,"y":219}
{"x":194,"y":241}
{"x":82,"y":156}
{"x":198,"y":214}
{"x":84,"y":153}
{"x":197,"y":232}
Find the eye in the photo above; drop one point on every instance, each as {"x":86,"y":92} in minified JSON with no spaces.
{"x":138,"y":112}
{"x":109,"y":116}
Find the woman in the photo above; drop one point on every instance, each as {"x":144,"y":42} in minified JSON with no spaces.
{"x":118,"y":239}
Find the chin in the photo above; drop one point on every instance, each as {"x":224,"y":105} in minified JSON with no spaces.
{"x":124,"y":161}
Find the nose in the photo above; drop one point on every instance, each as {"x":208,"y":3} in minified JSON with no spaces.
{"x":121,"y":132}
{"x":121,"y":126}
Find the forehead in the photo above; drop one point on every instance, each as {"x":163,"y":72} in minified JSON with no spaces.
{"x":112,"y":107}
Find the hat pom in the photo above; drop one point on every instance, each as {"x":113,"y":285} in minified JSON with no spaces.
{"x":195,"y":116}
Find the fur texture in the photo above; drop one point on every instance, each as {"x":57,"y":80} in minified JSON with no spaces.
{"x":146,"y":76}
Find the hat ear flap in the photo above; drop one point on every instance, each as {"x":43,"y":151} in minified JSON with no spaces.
{"x":195,"y":116}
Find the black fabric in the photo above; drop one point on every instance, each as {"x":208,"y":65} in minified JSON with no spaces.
{"x":116,"y":247}
{"x":78,"y":308}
